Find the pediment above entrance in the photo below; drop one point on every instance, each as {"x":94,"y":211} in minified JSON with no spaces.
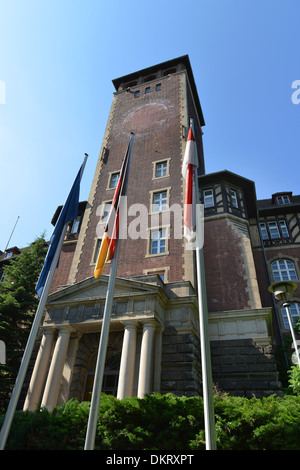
{"x":83,"y":303}
{"x":90,"y":289}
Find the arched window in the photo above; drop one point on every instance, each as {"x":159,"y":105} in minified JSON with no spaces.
{"x":295,"y":314}
{"x":284,"y":270}
{"x":111,"y":373}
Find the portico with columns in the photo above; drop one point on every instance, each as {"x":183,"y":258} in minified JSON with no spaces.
{"x":71,"y":331}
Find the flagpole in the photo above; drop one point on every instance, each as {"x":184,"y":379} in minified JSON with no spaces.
{"x":31,"y":340}
{"x":100,"y":365}
{"x":207,"y":384}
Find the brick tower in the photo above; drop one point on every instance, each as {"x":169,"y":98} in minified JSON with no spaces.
{"x":155,"y":104}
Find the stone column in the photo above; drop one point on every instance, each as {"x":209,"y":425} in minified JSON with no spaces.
{"x":146,"y":359}
{"x":53,"y":383}
{"x":157,"y":359}
{"x":39,"y":374}
{"x":126,"y":374}
{"x":68,"y":368}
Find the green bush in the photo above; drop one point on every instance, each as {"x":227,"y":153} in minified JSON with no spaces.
{"x":162,"y":422}
{"x":294,"y":380}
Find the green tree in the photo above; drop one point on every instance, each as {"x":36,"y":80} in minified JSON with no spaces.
{"x":18,"y":302}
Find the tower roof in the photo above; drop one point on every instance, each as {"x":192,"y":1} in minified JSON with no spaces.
{"x":165,"y":67}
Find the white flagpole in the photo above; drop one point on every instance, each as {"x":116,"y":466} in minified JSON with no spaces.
{"x":99,"y":371}
{"x":31,"y":340}
{"x":209,"y":418}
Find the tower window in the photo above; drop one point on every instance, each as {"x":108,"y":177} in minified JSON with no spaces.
{"x":158,"y":242}
{"x":114,"y":178}
{"x":130,"y":84}
{"x":160,"y":201}
{"x":149,"y":78}
{"x":161,"y":169}
{"x":97,"y":250}
{"x":169,"y":72}
{"x":106,"y":211}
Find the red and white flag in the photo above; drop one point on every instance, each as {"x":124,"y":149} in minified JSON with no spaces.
{"x":190,"y":163}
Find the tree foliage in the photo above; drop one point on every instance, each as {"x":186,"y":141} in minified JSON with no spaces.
{"x":18,"y":302}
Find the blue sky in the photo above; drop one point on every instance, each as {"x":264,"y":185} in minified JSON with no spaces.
{"x":57,"y":60}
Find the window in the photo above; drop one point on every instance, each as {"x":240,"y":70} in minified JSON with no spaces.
{"x":283,"y":200}
{"x":169,"y":72}
{"x":284,"y":270}
{"x":160,"y":201}
{"x":234,"y":200}
{"x":208,"y":197}
{"x":75,"y":225}
{"x":130,"y":84}
{"x":97,"y":249}
{"x":158,"y":242}
{"x":161,"y":169}
{"x":264,"y":231}
{"x":149,"y":78}
{"x":114,"y":178}
{"x":110,"y":376}
{"x":158,"y":87}
{"x":283,"y":228}
{"x":137,"y":94}
{"x":106,"y":210}
{"x":295,"y":314}
{"x":147,"y":90}
{"x":273,"y":228}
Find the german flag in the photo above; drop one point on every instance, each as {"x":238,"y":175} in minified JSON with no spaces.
{"x":111,"y":231}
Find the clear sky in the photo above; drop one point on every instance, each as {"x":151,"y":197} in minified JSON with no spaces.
{"x":57,"y":61}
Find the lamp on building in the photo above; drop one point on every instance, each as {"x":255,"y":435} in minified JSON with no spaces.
{"x":284,"y":290}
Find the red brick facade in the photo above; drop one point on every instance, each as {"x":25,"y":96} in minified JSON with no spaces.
{"x":156,"y":118}
{"x":63,"y":269}
{"x":224,"y":268}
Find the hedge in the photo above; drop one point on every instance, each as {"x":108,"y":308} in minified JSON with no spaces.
{"x":162,"y":422}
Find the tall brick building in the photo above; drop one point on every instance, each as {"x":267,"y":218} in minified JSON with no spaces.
{"x":154,"y":329}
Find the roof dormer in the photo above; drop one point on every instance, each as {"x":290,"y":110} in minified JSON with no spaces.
{"x":282,"y":198}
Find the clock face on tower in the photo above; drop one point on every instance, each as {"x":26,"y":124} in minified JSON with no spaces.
{"x":147,"y":119}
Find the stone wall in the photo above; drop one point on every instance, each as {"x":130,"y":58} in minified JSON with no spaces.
{"x":239,"y":367}
{"x":180,"y":366}
{"x":242,"y":368}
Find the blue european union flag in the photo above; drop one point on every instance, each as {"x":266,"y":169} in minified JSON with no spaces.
{"x":68,"y":213}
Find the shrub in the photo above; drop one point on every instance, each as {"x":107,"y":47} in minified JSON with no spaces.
{"x":294,"y":380}
{"x":162,"y":422}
